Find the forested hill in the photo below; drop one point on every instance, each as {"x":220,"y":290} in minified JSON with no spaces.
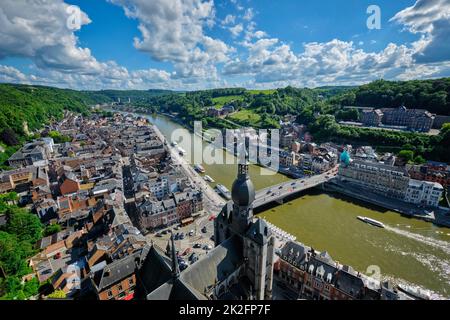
{"x":36,"y":105}
{"x":432,"y":95}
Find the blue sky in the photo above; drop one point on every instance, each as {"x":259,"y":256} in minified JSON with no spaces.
{"x":197,"y":44}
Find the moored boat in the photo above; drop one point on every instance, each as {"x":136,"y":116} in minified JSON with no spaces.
{"x":223,"y":191}
{"x":199,"y":168}
{"x":209,"y":179}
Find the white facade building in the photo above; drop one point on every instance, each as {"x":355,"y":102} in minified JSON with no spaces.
{"x":424,"y":193}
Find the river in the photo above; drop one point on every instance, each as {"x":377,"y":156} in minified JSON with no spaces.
{"x":407,"y":250}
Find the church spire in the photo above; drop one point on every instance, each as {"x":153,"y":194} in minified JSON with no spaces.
{"x":244,"y":163}
{"x":175,"y":266}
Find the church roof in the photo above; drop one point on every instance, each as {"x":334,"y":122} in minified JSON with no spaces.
{"x":175,"y":290}
{"x":217,"y":266}
{"x":155,"y":270}
{"x":192,"y":284}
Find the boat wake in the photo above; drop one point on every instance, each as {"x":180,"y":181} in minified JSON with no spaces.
{"x":438,"y":266}
{"x":435,"y":243}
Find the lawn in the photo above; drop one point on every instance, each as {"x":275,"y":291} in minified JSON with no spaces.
{"x":219,"y":102}
{"x":267,"y":92}
{"x":247,"y":115}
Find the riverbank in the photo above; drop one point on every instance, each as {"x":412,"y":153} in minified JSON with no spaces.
{"x":215,"y":201}
{"x":439,"y":217}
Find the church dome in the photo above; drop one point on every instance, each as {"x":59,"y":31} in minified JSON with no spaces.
{"x":243,"y":192}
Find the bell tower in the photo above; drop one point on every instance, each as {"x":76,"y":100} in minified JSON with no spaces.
{"x":243,"y":195}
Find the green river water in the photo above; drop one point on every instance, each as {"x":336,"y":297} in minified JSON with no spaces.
{"x":407,"y":250}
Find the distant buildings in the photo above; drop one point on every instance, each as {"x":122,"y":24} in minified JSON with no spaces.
{"x":412,"y":119}
{"x":372,"y":118}
{"x":222,"y":112}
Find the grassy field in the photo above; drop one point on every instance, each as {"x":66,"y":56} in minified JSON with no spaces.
{"x":246,"y":115}
{"x":221,"y":101}
{"x":269,"y":91}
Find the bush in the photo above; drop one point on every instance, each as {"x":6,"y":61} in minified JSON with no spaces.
{"x":51,"y":229}
{"x":57,"y":294}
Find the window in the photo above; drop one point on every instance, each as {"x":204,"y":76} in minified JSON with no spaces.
{"x":119,"y":287}
{"x":110,"y":294}
{"x":130,"y":281}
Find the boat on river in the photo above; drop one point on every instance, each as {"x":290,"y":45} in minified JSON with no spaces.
{"x":373,"y":222}
{"x":223,"y":191}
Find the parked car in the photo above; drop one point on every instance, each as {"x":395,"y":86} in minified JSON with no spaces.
{"x":191,"y":233}
{"x":193,"y":258}
{"x":197,"y":246}
{"x":183,"y":266}
{"x":204,"y":229}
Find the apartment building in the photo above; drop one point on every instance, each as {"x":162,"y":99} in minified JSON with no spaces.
{"x":424,"y":193}
{"x":384,"y":179}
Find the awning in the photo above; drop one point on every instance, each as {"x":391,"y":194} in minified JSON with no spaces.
{"x":188,"y":220}
{"x":129,"y":297}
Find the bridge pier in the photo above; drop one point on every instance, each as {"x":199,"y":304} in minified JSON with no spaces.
{"x":280,"y":201}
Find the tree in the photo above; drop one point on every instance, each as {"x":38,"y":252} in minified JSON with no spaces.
{"x":419,"y":160}
{"x":406,"y":155}
{"x":24,"y":225}
{"x":52,"y":229}
{"x":13,"y":253}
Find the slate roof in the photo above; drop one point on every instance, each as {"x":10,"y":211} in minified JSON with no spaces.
{"x":194,"y":282}
{"x":115,"y":272}
{"x":217,"y":266}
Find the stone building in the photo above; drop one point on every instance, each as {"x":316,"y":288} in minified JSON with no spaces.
{"x":387,"y":180}
{"x":316,"y":276}
{"x":414,"y":119}
{"x":372,"y":118}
